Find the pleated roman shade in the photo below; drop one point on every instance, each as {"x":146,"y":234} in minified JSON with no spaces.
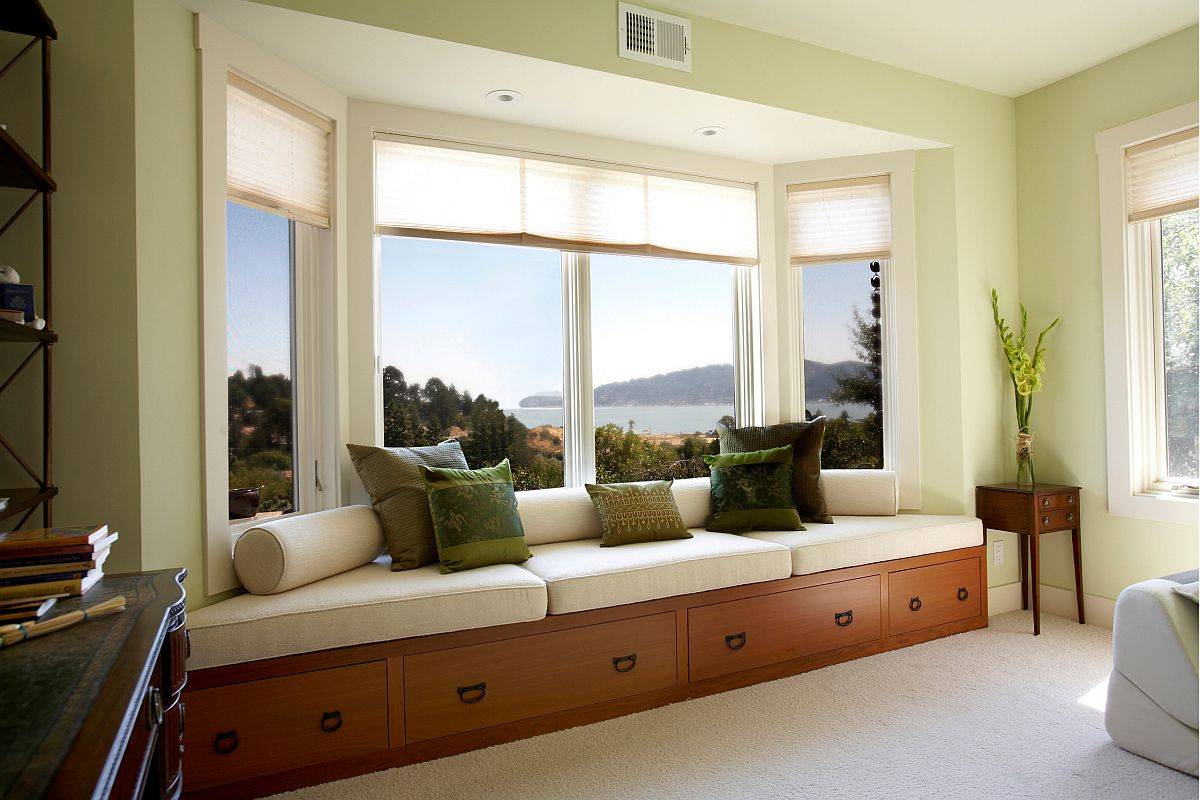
{"x":842,"y":220}
{"x":1162,"y":176}
{"x":444,"y":192}
{"x":277,"y":154}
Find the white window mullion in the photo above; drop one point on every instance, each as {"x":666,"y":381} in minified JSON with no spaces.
{"x":747,"y":349}
{"x":314,"y":476}
{"x":579,"y":440}
{"x":893,"y":452}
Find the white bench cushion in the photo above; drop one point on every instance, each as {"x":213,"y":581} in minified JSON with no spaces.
{"x":367,"y":604}
{"x":580,"y":574}
{"x":851,"y":541}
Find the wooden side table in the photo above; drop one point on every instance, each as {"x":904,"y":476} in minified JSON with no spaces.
{"x":1030,"y":511}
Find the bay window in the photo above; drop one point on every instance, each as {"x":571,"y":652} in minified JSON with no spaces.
{"x":1150,"y":188}
{"x":584,"y":320}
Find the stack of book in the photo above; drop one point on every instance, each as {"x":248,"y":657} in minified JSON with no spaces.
{"x":39,"y":565}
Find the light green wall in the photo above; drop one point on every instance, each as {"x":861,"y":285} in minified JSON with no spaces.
{"x":1059,"y":238}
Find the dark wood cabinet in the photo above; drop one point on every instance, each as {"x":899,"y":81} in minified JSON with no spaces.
{"x":95,"y":711}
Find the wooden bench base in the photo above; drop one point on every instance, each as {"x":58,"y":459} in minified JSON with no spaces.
{"x":268,"y":726}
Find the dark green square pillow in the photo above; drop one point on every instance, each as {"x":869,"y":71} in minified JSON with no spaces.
{"x":752,"y":492}
{"x":806,"y":439}
{"x":475,"y":520}
{"x":637,"y":512}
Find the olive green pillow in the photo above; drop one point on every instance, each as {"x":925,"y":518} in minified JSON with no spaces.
{"x":637,"y":512}
{"x":806,"y":439}
{"x":752,"y":492}
{"x":392,"y":477}
{"x":475,"y":520}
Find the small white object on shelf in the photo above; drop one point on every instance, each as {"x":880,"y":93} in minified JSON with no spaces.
{"x":9,"y":275}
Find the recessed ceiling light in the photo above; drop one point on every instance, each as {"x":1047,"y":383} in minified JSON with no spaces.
{"x":505,"y":96}
{"x":709,"y":130}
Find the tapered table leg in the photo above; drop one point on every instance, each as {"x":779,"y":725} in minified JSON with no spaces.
{"x":1023,"y":554}
{"x":1035,"y":581}
{"x":1075,"y":547}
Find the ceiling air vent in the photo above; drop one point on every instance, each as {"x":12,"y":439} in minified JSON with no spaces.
{"x":654,"y":37}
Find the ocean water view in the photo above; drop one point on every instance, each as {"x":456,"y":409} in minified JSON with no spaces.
{"x":666,"y":419}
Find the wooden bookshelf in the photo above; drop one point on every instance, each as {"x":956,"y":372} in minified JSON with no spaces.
{"x":19,"y":170}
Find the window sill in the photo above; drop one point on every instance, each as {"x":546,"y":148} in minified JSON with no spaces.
{"x":1157,"y":507}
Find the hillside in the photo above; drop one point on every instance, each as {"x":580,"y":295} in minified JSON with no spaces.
{"x":699,"y":386}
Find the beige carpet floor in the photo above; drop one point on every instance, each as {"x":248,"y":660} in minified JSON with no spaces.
{"x":988,"y":714}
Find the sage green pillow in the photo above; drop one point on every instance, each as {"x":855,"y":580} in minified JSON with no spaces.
{"x":753,"y":492}
{"x":637,"y":512}
{"x":475,"y":520}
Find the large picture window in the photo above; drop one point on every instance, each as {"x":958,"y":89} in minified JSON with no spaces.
{"x":577,"y":319}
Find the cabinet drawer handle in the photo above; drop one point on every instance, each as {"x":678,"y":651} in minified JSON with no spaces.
{"x":187,"y":641}
{"x":154,"y":707}
{"x":1045,"y":502}
{"x":472,"y":694}
{"x":1070,"y":499}
{"x":625,"y":663}
{"x":1045,"y":520}
{"x":736,"y":641}
{"x":225,"y":743}
{"x":914,"y":604}
{"x":843,"y":618}
{"x":963,"y":594}
{"x":1070,"y":516}
{"x":331,"y":721}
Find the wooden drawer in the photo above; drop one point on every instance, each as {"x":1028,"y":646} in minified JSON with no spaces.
{"x":926,"y":596}
{"x":1061,"y":519}
{"x":740,"y":634}
{"x":259,"y":727}
{"x":1051,"y":501}
{"x":465,"y":688}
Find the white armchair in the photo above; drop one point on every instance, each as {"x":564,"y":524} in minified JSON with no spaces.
{"x":1153,"y":689}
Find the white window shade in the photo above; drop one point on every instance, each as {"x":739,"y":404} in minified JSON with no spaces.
{"x":842,"y":220}
{"x":442,"y":192}
{"x":1161,"y":176}
{"x":277,"y":154}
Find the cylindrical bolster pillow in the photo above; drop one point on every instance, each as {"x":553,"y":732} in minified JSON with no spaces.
{"x":860,"y":492}
{"x":292,"y":551}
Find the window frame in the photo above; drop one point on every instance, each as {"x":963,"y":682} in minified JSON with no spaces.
{"x":898,"y":307}
{"x":579,"y":439}
{"x":1130,"y":262}
{"x":317,"y":262}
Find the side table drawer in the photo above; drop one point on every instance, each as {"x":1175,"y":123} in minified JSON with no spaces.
{"x":1049,"y":502}
{"x":1058,"y":520}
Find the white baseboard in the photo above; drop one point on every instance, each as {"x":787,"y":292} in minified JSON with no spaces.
{"x":1059,"y":602}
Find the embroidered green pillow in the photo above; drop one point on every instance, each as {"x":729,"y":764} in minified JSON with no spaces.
{"x":753,"y":492}
{"x":475,"y":520}
{"x":637,"y":512}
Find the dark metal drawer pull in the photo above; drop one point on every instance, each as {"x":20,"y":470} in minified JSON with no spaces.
{"x":736,"y":641}
{"x":963,"y":594}
{"x":843,"y":618}
{"x":915,"y":604}
{"x":472,"y":694}
{"x":331,"y":721}
{"x":154,"y":707}
{"x":225,"y":743}
{"x":625,"y":663}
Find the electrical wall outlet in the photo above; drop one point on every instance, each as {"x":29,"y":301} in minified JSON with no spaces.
{"x":998,"y":553}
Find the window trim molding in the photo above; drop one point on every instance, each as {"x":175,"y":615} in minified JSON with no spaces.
{"x":316,"y":347}
{"x":1124,"y":332}
{"x":902,"y":435}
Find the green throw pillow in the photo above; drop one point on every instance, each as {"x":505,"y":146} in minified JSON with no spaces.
{"x":392,"y":477}
{"x":753,"y":492}
{"x":475,"y":520}
{"x":637,"y":512}
{"x":806,"y":439}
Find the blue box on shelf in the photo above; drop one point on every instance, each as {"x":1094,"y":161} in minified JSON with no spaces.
{"x":18,"y":296}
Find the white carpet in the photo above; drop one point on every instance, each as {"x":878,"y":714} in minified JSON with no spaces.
{"x":988,"y":714}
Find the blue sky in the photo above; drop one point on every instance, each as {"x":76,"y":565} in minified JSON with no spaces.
{"x":488,"y":318}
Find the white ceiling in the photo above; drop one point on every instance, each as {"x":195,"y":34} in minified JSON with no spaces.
{"x":1010,"y":47}
{"x":382,"y":65}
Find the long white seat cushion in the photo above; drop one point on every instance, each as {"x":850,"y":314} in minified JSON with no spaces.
{"x":581,"y":574}
{"x":367,"y":604}
{"x":851,"y":541}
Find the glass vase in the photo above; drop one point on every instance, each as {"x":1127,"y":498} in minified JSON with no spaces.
{"x":1025,"y":458}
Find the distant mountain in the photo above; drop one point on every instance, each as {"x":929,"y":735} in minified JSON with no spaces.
{"x":699,"y":386}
